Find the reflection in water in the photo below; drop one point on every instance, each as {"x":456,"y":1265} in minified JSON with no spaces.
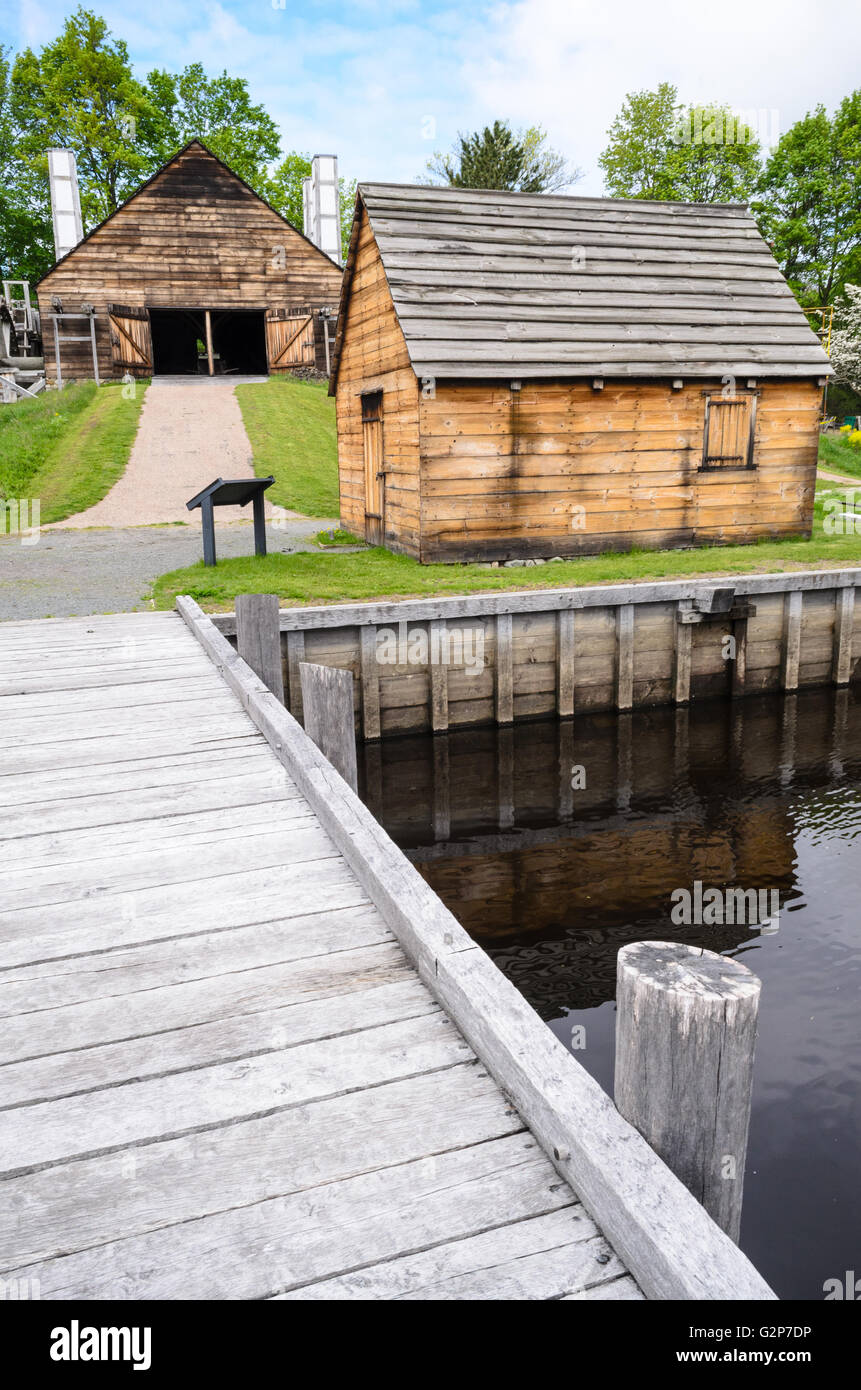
{"x":556,"y":843}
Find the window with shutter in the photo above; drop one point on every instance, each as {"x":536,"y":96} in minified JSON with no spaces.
{"x":729,"y":431}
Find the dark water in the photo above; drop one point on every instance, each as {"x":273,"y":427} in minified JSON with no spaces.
{"x":762,"y":793}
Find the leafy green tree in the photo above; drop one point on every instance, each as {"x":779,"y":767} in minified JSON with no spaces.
{"x":635,"y":158}
{"x":79,"y":93}
{"x":283,"y":191}
{"x":497,"y":157}
{"x":217,"y":110}
{"x":809,"y":202}
{"x":696,"y":154}
{"x":25,"y":231}
{"x":714,"y":157}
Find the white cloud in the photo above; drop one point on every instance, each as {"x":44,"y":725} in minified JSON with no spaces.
{"x":362,"y":77}
{"x":568,"y":64}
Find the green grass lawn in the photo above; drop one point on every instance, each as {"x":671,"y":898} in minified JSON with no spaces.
{"x":306,"y":577}
{"x":67,"y":447}
{"x":837,"y":456}
{"x":291,"y":426}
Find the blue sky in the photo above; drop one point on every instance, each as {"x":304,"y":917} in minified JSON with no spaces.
{"x":383,"y":85}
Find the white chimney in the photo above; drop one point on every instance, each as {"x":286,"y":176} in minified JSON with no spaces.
{"x":325,"y":205}
{"x":307,"y":216}
{"x":65,"y":200}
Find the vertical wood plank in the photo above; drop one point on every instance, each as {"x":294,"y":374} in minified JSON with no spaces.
{"x":295,"y":656}
{"x":504,"y":669}
{"x":330,"y":719}
{"x":258,"y":638}
{"x":370,"y":680}
{"x":565,"y":662}
{"x":844,"y":619}
{"x":438,"y":675}
{"x":682,"y":645}
{"x":625,"y":656}
{"x":790,"y":656}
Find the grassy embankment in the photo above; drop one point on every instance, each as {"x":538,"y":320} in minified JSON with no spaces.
{"x":291,"y":426}
{"x":67,"y":448}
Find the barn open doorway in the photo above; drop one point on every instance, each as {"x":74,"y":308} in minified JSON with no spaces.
{"x":180,"y":345}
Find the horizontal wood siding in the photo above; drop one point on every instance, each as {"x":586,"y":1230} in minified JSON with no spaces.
{"x":374,"y":358}
{"x":562,"y":469}
{"x":195,"y":237}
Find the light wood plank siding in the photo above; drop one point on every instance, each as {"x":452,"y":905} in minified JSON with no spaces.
{"x":195,"y":236}
{"x":560,"y":469}
{"x":375,"y":358}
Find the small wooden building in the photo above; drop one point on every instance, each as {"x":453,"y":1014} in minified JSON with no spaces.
{"x":531,"y":375}
{"x":194,"y":272}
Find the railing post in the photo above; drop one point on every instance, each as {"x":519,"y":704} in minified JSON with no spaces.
{"x":258,"y":638}
{"x":327,"y":703}
{"x":685,"y":1035}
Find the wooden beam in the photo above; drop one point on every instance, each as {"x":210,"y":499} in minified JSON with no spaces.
{"x":258,"y":638}
{"x":565,"y":662}
{"x":790,"y":655}
{"x":295,"y":655}
{"x":844,"y":621}
{"x":327,"y":696}
{"x":209,"y":353}
{"x":691,"y":1102}
{"x":370,"y":678}
{"x":625,"y":656}
{"x":438,"y":676}
{"x":682,"y":645}
{"x":504,"y":669}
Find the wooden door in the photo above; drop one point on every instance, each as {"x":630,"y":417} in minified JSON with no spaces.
{"x":375,"y":478}
{"x":131,"y":339}
{"x":289,"y":339}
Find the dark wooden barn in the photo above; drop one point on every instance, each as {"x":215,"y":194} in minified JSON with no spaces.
{"x":193,"y":273}
{"x":532,"y":375}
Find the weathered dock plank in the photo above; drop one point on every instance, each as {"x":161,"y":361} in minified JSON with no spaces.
{"x":220,"y":1075}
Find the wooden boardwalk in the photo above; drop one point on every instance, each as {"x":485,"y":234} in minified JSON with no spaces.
{"x":219,"y":1075}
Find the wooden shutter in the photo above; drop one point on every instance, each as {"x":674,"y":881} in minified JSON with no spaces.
{"x":729,"y":431}
{"x":131,"y":340}
{"x":290,"y":339}
{"x":372,"y":443}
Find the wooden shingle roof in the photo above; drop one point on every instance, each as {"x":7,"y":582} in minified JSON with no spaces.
{"x":501,"y":285}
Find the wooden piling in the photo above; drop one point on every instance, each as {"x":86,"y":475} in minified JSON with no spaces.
{"x":844,"y":619}
{"x":258,"y":638}
{"x":685,"y":1034}
{"x":327,"y":699}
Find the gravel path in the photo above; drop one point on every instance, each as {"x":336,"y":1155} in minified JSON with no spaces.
{"x":190,"y":433}
{"x":838,"y":478}
{"x":71,"y":572}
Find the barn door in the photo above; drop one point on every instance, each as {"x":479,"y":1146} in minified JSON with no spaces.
{"x":289,"y":339}
{"x":375,"y":478}
{"x":131,"y":340}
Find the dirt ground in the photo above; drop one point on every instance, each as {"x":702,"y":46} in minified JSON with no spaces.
{"x":190,"y":433}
